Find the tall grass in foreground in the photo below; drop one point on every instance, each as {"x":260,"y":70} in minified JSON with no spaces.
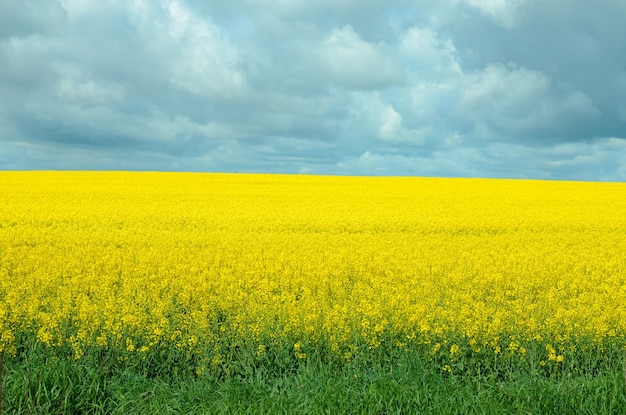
{"x":44,"y":383}
{"x":275,"y":285}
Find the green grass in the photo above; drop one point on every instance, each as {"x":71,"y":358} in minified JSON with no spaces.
{"x":46,"y":381}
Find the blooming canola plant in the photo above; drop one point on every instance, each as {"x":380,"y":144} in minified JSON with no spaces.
{"x":212,"y":263}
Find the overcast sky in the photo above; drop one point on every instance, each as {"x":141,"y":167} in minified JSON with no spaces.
{"x":469,"y":88}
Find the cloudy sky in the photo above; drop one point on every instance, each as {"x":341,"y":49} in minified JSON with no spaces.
{"x":467,"y":88}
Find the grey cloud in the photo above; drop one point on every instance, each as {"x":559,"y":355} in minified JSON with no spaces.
{"x":510,"y":88}
{"x":602,"y":159}
{"x":599,"y":159}
{"x":31,"y":17}
{"x":347,"y":61}
{"x":579,"y":44}
{"x":517,"y":102}
{"x":444,"y":164}
{"x":505,"y":13}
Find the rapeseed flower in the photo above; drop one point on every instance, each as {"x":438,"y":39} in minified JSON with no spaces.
{"x":210,"y":263}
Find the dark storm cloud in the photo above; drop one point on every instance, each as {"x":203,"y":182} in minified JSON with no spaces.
{"x":508,"y":88}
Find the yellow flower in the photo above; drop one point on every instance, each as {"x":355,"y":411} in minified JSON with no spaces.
{"x":190,"y":261}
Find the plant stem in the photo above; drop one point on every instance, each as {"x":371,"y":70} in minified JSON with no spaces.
{"x":1,"y":389}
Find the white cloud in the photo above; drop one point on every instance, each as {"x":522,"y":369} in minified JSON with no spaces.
{"x":391,"y":123}
{"x":205,"y":61}
{"x":517,"y":100}
{"x":598,"y":159}
{"x":350,"y":62}
{"x":614,"y":144}
{"x":503,"y":12}
{"x":431,"y":99}
{"x":75,"y":7}
{"x":432,"y":55}
{"x":374,"y":118}
{"x":436,"y":164}
{"x":328,"y":87}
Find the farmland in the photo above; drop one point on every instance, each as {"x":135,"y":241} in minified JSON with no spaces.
{"x":219,"y":278}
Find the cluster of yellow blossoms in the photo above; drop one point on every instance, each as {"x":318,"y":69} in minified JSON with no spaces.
{"x":137,"y":260}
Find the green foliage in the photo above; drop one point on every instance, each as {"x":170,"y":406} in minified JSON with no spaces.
{"x":46,"y":380}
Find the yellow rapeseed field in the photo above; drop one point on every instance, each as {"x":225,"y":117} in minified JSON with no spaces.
{"x":211,"y":263}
